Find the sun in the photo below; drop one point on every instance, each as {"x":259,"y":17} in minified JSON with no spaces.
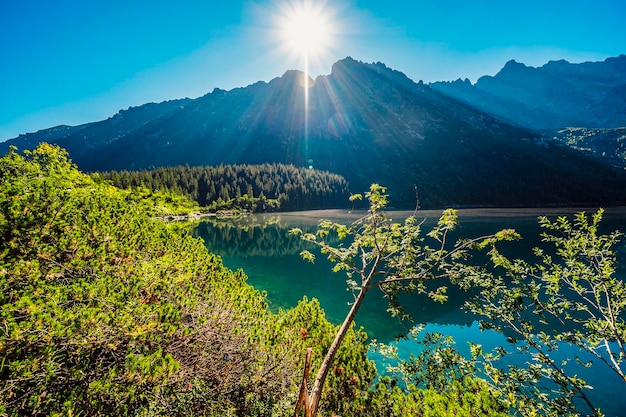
{"x":306,"y":28}
{"x":306,"y":31}
{"x":305,"y":34}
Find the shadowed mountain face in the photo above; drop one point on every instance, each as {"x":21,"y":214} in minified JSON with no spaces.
{"x":364,"y":121}
{"x":556,"y":95}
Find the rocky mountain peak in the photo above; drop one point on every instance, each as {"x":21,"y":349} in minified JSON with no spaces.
{"x":511,"y":69}
{"x":556,"y":95}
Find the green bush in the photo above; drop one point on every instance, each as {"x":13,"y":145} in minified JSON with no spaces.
{"x":106,"y":311}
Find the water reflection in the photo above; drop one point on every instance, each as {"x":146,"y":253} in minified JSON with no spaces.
{"x":249,"y":236}
{"x":263,"y":248}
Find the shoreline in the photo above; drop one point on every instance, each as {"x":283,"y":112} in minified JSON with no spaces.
{"x":342,"y":214}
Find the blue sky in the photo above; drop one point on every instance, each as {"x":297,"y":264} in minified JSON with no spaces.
{"x":75,"y":61}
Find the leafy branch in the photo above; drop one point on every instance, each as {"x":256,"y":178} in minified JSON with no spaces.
{"x":572,"y":297}
{"x":376,"y":252}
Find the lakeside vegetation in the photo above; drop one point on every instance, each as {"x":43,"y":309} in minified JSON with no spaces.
{"x":105,"y":310}
{"x":567,"y":297}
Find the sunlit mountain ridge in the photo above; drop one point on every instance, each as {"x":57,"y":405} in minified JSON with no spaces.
{"x":364,"y":121}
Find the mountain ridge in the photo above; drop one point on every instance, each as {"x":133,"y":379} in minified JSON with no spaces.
{"x":367,"y":122}
{"x":556,"y":95}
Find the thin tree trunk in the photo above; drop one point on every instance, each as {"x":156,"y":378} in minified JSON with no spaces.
{"x":316,"y":392}
{"x":303,"y":397}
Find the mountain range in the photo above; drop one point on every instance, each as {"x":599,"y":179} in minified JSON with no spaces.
{"x":371,"y":123}
{"x":556,"y":95}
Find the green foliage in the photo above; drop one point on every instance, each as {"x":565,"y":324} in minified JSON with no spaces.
{"x":570,"y":297}
{"x":393,"y":257}
{"x":104,"y":310}
{"x":468,"y":398}
{"x":437,"y":381}
{"x":352,"y":388}
{"x":437,"y":365}
{"x":248,"y":188}
{"x":162,"y":203}
{"x":353,"y":374}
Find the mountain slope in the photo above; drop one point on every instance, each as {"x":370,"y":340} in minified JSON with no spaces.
{"x":556,"y":95}
{"x":86,"y":142}
{"x":366,"y":122}
{"x":607,"y":145}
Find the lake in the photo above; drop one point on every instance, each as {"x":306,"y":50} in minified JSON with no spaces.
{"x":261,"y":246}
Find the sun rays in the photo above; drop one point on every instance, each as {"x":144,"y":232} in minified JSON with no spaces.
{"x":305,"y":33}
{"x":306,"y":30}
{"x":309,"y":36}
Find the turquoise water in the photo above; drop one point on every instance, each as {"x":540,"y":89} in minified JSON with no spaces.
{"x":262,"y":247}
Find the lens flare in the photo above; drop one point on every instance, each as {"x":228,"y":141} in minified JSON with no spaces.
{"x":306,"y":31}
{"x":306,"y":35}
